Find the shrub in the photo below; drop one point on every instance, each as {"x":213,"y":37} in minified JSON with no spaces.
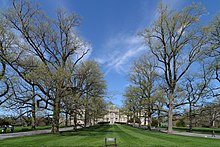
{"x":180,"y":123}
{"x":103,"y":122}
{"x":154,"y":122}
{"x":120,"y":122}
{"x":137,"y":120}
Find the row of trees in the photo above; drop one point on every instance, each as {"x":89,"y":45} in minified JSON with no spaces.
{"x":42,"y":66}
{"x":181,"y":68}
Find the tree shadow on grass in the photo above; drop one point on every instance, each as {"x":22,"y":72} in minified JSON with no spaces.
{"x":97,"y":130}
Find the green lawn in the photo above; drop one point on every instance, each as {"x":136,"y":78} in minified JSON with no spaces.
{"x":126,"y":136}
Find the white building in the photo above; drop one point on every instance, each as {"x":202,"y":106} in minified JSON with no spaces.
{"x":113,"y":115}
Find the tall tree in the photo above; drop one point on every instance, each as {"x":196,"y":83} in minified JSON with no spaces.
{"x":133,"y":97}
{"x":6,"y":41}
{"x":214,"y":49}
{"x":53,"y":43}
{"x":176,"y":40}
{"x":23,"y":98}
{"x":92,"y":86}
{"x":144,"y":75}
{"x":196,"y":87}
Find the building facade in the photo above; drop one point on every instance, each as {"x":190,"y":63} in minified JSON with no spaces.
{"x":113,"y":115}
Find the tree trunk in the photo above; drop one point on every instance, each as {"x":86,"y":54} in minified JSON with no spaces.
{"x":158,"y":118}
{"x":190,"y":117}
{"x":133,"y":119}
{"x":66,"y":120}
{"x":70,"y":119}
{"x":149,"y":121}
{"x":56,"y":117}
{"x":145,"y":118}
{"x":170,"y":113}
{"x":75,"y":122}
{"x":33,"y":118}
{"x":85,"y":119}
{"x":33,"y":111}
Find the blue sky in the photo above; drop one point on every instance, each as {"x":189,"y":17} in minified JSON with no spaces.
{"x":111,"y":26}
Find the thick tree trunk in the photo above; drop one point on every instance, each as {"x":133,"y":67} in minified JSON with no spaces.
{"x":56,"y":117}
{"x":170,"y":113}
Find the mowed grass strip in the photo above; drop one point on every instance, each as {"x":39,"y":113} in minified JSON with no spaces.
{"x":125,"y":135}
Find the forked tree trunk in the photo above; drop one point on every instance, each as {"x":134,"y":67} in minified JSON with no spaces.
{"x":170,"y":113}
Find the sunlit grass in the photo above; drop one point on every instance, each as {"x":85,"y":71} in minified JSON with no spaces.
{"x":125,"y":135}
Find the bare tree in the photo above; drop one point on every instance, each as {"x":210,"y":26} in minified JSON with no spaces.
{"x":176,"y":40}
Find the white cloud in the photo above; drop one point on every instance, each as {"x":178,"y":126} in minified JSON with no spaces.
{"x":122,"y":50}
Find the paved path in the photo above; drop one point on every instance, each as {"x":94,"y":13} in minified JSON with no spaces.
{"x":182,"y":133}
{"x":193,"y":134}
{"x":29,"y":133}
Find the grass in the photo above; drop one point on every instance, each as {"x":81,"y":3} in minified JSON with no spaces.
{"x":24,"y":129}
{"x":126,"y":136}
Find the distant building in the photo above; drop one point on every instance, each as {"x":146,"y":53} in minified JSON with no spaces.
{"x":113,"y":115}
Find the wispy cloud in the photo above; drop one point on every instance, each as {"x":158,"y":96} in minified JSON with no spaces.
{"x":123,"y":49}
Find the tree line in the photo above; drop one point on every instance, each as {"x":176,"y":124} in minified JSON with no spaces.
{"x":180,"y":72}
{"x":42,"y":66}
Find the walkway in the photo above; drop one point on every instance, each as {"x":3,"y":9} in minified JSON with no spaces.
{"x":193,"y":134}
{"x":181,"y":133}
{"x":29,"y":133}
